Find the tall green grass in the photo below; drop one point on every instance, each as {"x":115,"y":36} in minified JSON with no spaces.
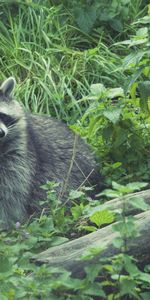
{"x":40,"y":48}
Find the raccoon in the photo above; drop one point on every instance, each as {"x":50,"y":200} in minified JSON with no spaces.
{"x":35,"y":149}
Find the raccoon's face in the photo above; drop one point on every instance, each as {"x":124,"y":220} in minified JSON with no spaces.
{"x":10,"y":110}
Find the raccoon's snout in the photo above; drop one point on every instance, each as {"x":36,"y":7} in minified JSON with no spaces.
{"x":2,"y":133}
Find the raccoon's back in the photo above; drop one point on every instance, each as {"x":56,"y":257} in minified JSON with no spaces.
{"x":60,"y":154}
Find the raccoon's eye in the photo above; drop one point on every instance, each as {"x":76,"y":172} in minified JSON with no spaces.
{"x":7,"y":120}
{"x":2,"y":133}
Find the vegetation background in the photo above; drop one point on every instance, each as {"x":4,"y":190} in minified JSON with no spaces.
{"x":87,"y":63}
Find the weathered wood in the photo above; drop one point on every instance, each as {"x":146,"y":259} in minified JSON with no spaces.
{"x":117,"y":204}
{"x":69,"y":254}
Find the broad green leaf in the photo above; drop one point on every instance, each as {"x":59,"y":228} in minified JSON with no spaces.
{"x":113,"y":114}
{"x":88,"y":228}
{"x":144,"y":20}
{"x":110,"y":193}
{"x":142,"y":32}
{"x":116,"y":165}
{"x":95,"y":289}
{"x":75,"y":194}
{"x":130,"y":267}
{"x":135,"y":186}
{"x":117,"y":24}
{"x":92,"y":271}
{"x":5,"y":264}
{"x":138,"y":202}
{"x":118,"y":242}
{"x":127,"y":286}
{"x":133,"y":59}
{"x":90,"y":253}
{"x":131,"y":187}
{"x":102,"y":217}
{"x":117,"y":186}
{"x":138,"y":41}
{"x":144,"y":277}
{"x":127,"y":229}
{"x":115,"y":92}
{"x":85,"y":18}
{"x":76,"y":211}
{"x":97,"y":89}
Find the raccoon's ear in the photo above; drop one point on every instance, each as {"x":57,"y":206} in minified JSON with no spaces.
{"x":7,"y":86}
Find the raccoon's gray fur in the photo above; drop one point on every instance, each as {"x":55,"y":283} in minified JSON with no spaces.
{"x":33,"y":150}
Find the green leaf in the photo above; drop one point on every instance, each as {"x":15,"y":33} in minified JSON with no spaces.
{"x":126,"y":229}
{"x":92,"y":271}
{"x":136,"y":186}
{"x":142,"y":32}
{"x":117,"y":186}
{"x":113,"y":114}
{"x":127,"y":286}
{"x":97,"y":89}
{"x":5,"y":264}
{"x":88,"y":228}
{"x":74,"y":194}
{"x":90,"y":253}
{"x":85,"y":17}
{"x":102,"y":217}
{"x":138,"y":41}
{"x":110,"y":193}
{"x":133,"y":59}
{"x":115,"y":92}
{"x":118,"y":242}
{"x":131,"y":187}
{"x":116,"y":165}
{"x":144,"y":20}
{"x":117,"y":25}
{"x":144,"y":277}
{"x":76,"y":211}
{"x":95,"y":289}
{"x":138,"y":202}
{"x":130,"y":267}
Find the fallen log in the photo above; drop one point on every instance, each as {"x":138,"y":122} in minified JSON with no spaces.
{"x":69,"y":255}
{"x":117,"y":204}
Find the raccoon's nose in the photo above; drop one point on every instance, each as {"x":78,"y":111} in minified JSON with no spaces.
{"x":2,"y":133}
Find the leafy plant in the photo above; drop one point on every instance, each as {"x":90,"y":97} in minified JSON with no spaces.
{"x":137,"y":62}
{"x":117,"y":126}
{"x":91,"y":15}
{"x":60,"y":55}
{"x":119,"y":274}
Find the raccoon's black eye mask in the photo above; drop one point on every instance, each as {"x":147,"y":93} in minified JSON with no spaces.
{"x":7,"y":120}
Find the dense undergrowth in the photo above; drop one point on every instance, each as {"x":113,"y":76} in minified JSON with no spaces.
{"x":87,"y":63}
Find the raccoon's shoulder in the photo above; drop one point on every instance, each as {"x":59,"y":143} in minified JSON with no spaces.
{"x":44,"y":120}
{"x":46,"y":125}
